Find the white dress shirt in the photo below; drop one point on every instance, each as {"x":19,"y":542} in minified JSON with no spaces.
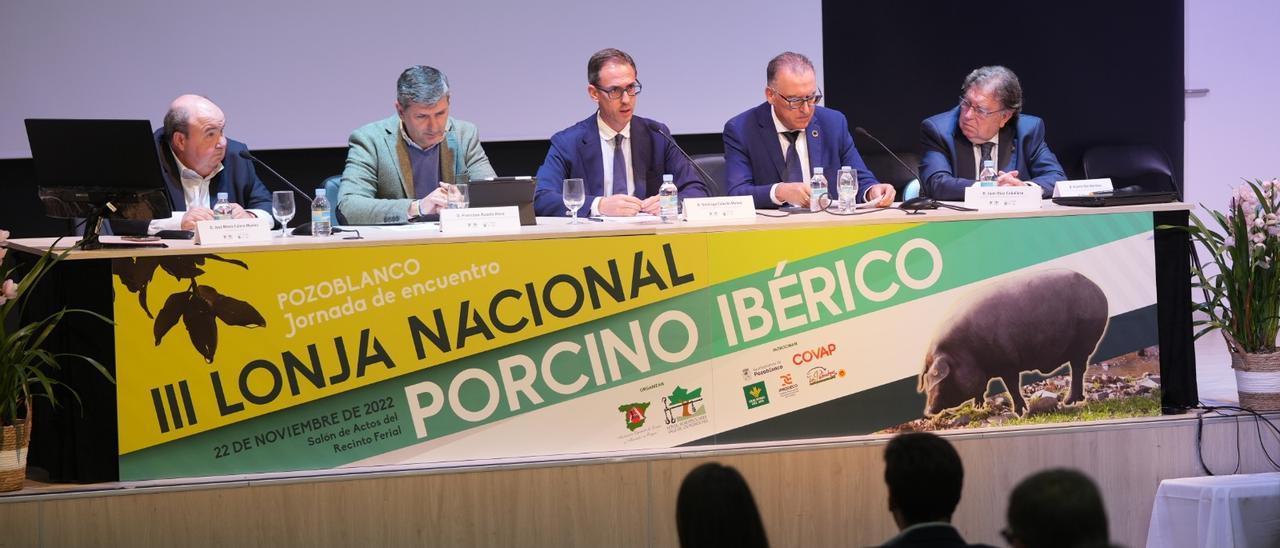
{"x":607,"y":135}
{"x":977,"y":155}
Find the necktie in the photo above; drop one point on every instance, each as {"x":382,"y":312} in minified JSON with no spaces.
{"x":794,"y":172}
{"x":986,"y":155}
{"x":619,"y":167}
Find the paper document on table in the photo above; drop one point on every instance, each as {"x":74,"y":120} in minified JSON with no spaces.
{"x":637,"y":218}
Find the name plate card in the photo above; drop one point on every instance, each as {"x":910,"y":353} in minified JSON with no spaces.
{"x":719,"y":208}
{"x":1082,"y":187}
{"x":1003,"y":198}
{"x":477,"y":220}
{"x":232,"y":231}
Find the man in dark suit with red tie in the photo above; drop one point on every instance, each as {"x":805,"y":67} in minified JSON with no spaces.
{"x":988,"y":124}
{"x":770,"y":151}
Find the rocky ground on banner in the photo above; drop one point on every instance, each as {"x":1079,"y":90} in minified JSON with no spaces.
{"x":1126,"y":386}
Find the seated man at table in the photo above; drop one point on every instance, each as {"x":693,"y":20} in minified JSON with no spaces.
{"x":989,"y":117}
{"x":1057,"y":507}
{"x":770,"y":151}
{"x":620,"y":157}
{"x":403,"y":166}
{"x":198,"y":162}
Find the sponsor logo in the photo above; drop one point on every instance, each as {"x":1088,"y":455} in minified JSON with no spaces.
{"x":822,"y":374}
{"x":813,"y":354}
{"x":756,"y":395}
{"x":683,"y":404}
{"x":633,"y":413}
{"x":787,"y":386}
{"x":746,"y":374}
{"x":782,"y":347}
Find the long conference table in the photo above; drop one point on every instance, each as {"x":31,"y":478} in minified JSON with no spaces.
{"x":412,"y":346}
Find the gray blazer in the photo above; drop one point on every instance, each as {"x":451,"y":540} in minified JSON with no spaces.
{"x":373,"y":187}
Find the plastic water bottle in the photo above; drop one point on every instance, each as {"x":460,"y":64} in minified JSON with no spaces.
{"x":817,"y":190}
{"x":669,"y":200}
{"x":847,"y":183}
{"x":321,"y":224}
{"x":222,"y":208}
{"x":988,"y":175}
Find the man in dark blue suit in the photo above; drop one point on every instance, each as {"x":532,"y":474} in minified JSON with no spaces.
{"x":770,"y":150}
{"x":620,"y":157}
{"x":198,"y":162}
{"x":989,"y":117}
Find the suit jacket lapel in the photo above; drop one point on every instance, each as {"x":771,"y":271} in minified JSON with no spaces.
{"x":963,"y":156}
{"x":448,"y":150}
{"x":396,"y":143}
{"x":768,"y":134}
{"x":592,"y":162}
{"x":815,"y":141}
{"x":1007,"y":135}
{"x":641,"y":151}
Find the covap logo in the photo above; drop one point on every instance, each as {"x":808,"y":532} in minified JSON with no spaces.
{"x":813,"y":355}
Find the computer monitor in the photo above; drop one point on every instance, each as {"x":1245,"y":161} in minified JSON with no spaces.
{"x":97,"y":169}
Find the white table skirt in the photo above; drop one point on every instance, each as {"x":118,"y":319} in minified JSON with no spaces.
{"x":1218,"y":511}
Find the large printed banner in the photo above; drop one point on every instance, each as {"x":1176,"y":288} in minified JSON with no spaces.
{"x":316,"y":359}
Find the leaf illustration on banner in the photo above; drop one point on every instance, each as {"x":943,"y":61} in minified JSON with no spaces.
{"x":198,"y":306}
{"x":136,"y":274}
{"x":230,"y":310}
{"x":174,"y":307}
{"x":201,"y":328}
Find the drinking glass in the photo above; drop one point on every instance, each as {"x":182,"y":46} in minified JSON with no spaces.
{"x":282,"y":209}
{"x":574,"y":196}
{"x":459,"y":196}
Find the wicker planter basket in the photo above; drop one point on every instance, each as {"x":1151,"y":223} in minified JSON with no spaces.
{"x":14,"y":440}
{"x":1257,"y":380}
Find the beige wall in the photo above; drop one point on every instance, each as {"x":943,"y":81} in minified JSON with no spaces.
{"x":830,"y":495}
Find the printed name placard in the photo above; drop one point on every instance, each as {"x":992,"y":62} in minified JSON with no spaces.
{"x":1082,"y":187}
{"x":719,"y":208}
{"x":480,"y":219}
{"x":1003,"y":198}
{"x":233,"y":231}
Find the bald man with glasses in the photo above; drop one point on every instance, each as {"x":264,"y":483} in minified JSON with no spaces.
{"x":770,"y":151}
{"x":987,"y":124}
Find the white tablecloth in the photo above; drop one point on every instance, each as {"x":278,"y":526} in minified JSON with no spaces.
{"x":1219,"y":511}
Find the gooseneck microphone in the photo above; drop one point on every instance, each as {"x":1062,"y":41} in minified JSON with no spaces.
{"x":706,"y":178}
{"x":920,"y":202}
{"x":246,"y":155}
{"x":868,"y":134}
{"x":303,"y":229}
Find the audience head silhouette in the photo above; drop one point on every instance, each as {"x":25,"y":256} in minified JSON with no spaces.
{"x":1057,"y":508}
{"x":715,"y":508}
{"x":924,"y":476}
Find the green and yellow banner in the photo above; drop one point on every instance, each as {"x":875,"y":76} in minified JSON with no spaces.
{"x":315,"y":359}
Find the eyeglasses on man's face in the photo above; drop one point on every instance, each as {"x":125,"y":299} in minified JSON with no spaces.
{"x":616,"y":92}
{"x":797,"y":102}
{"x":965,"y":105}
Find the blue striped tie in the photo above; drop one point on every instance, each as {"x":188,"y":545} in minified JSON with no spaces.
{"x":619,"y":167}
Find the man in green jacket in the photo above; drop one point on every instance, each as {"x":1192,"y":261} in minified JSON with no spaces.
{"x":405,"y":165}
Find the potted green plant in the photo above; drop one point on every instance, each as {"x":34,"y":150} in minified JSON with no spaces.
{"x":26,"y":366}
{"x":1241,"y":284}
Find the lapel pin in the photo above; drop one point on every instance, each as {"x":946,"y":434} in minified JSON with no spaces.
{"x":814,"y":134}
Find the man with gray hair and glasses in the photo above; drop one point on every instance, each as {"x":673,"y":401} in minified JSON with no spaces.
{"x":988,"y":124}
{"x":405,"y":165}
{"x":770,"y":150}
